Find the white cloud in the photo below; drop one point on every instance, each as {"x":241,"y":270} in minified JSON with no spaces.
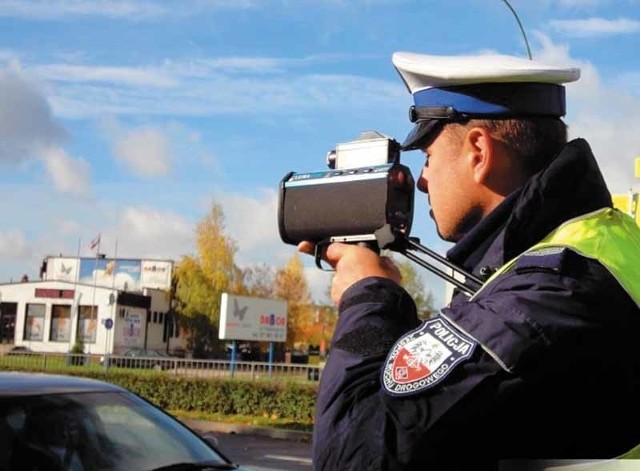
{"x":253,"y":224}
{"x":13,"y":244}
{"x":629,"y":81}
{"x":62,"y":9}
{"x":206,"y":67}
{"x":252,"y":219}
{"x":147,"y":10}
{"x":596,"y":27}
{"x":208,"y":87}
{"x":149,"y":232}
{"x":133,"y":76}
{"x":29,"y":130}
{"x":69,"y":175}
{"x":26,"y":121}
{"x":8,"y":56}
{"x":145,"y":151}
{"x":606,"y":115}
{"x":319,"y":282}
{"x":580,"y":3}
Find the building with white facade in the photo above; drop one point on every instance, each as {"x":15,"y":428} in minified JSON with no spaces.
{"x":110,"y":305}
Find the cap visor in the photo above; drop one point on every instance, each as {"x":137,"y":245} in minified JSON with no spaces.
{"x":421,"y":133}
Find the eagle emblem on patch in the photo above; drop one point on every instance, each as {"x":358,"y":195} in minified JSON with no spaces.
{"x":424,"y":357}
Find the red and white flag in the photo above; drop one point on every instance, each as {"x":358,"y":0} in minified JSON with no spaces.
{"x":95,"y":242}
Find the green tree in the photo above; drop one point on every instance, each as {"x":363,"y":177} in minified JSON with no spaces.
{"x":200,"y":281}
{"x":217,"y":252}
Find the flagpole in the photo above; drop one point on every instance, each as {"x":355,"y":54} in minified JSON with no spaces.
{"x":115,"y":301}
{"x":76,"y":295}
{"x":78,"y":260}
{"x":95,"y":280}
{"x":115,"y":265}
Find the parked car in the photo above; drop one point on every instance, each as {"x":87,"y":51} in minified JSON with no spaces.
{"x":58,"y":422}
{"x":140,"y":358}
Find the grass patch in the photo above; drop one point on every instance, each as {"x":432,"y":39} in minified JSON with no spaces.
{"x":255,"y":421}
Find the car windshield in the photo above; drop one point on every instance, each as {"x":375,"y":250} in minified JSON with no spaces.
{"x":94,"y":430}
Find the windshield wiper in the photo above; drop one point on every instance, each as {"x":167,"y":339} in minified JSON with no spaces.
{"x":197,"y":466}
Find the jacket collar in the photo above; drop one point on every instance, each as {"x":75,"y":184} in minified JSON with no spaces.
{"x":569,"y":186}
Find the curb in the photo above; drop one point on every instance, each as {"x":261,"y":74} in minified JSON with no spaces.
{"x":203,"y":426}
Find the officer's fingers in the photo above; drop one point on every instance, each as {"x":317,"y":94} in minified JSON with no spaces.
{"x":307,"y":247}
{"x":336,"y":251}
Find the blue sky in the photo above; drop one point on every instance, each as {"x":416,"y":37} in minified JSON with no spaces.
{"x":129,"y":118}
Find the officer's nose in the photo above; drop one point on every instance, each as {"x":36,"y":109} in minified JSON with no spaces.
{"x":422,"y":181}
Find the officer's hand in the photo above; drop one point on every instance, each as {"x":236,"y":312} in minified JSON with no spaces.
{"x":352,"y":264}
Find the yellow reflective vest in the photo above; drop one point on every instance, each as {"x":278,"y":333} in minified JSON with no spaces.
{"x":606,"y":235}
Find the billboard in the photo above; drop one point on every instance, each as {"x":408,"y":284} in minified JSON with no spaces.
{"x":132,"y":329}
{"x":63,"y":269}
{"x":122,"y":274}
{"x":252,"y":319}
{"x":156,"y":274}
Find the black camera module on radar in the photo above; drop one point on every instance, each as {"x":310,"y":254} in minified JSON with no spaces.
{"x":365,"y":197}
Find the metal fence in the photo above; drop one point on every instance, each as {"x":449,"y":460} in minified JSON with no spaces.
{"x":250,"y":370}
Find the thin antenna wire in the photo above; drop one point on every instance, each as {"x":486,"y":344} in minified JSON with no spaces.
{"x":521,"y":28}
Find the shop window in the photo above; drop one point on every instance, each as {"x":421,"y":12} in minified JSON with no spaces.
{"x":34,"y":322}
{"x":87,"y":323}
{"x":60,"y":323}
{"x":8,"y":312}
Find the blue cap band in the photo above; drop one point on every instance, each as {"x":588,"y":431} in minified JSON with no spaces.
{"x":496,"y":99}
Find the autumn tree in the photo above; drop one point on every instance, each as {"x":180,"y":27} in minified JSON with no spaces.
{"x":291,"y":286}
{"x":258,"y":281}
{"x":413,"y":284}
{"x":201,"y":279}
{"x":325,"y":317}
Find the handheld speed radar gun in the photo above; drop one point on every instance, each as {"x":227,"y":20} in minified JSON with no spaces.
{"x":366,"y":196}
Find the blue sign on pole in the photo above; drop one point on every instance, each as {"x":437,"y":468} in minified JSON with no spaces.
{"x":108,"y":323}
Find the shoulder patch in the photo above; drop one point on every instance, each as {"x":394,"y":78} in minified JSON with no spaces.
{"x":547,"y":259}
{"x":424,"y":357}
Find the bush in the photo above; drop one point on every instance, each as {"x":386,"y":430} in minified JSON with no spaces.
{"x":289,"y":401}
{"x":77,"y":352}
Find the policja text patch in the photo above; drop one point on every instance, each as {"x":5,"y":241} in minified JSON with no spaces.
{"x":424,"y":357}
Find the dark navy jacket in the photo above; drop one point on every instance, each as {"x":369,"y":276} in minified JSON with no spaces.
{"x":555,"y":373}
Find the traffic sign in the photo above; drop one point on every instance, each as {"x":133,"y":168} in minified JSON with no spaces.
{"x":108,"y":323}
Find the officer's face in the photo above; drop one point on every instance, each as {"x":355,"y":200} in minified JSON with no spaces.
{"x":447,"y":180}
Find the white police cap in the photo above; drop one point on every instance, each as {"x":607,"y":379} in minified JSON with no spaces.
{"x":455,"y":88}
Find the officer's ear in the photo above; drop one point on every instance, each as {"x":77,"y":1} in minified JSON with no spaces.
{"x":479,"y":149}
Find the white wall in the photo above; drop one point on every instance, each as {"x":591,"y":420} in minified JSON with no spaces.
{"x":130,"y":328}
{"x":25,"y":293}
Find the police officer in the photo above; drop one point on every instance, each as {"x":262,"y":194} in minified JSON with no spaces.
{"x":542,"y":362}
